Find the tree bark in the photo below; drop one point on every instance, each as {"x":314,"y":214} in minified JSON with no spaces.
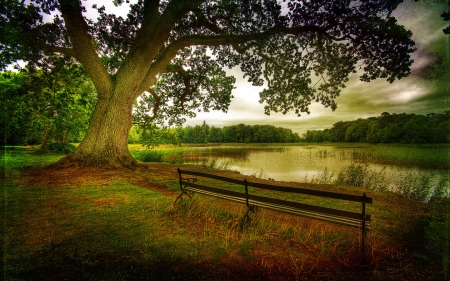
{"x":106,"y":140}
{"x":46,"y":136}
{"x":65,"y":136}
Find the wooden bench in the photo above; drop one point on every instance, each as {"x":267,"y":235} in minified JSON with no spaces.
{"x":361,"y":220}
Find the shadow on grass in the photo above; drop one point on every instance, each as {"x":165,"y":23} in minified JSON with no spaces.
{"x":59,"y":264}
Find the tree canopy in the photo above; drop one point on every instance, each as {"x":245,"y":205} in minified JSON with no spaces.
{"x":175,"y":51}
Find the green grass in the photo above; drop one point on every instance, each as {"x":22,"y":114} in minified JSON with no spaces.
{"x":112,"y":228}
{"x":91,"y":233}
{"x":17,"y":157}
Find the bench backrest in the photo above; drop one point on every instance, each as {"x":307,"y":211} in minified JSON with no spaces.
{"x":286,"y":189}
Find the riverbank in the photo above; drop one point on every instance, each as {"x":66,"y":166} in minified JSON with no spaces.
{"x":81,"y":223}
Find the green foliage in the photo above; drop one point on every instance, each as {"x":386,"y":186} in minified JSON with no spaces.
{"x":206,"y":157}
{"x":56,"y":102}
{"x":387,"y":128}
{"x":151,"y":135}
{"x":148,"y":155}
{"x":133,"y":136}
{"x":236,"y":133}
{"x":65,"y":148}
{"x":415,"y":186}
{"x":173,"y":156}
{"x":219,"y":165}
{"x":432,"y":156}
{"x":14,"y":158}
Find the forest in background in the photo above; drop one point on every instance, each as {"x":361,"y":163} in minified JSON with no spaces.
{"x":204,"y":133}
{"x":240,"y":133}
{"x":387,"y":128}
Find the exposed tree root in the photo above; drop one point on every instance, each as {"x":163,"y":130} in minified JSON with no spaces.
{"x":70,"y":161}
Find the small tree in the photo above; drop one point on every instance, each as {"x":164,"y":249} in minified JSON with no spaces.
{"x":48,"y":103}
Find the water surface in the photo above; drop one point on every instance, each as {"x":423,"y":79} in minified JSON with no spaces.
{"x":303,"y":163}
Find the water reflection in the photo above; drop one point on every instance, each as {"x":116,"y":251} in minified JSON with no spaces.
{"x":296,"y":163}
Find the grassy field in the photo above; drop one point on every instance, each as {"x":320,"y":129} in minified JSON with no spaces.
{"x":97,"y":224}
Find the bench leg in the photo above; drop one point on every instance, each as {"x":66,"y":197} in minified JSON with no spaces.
{"x":180,"y":197}
{"x":246,"y":218}
{"x":363,"y":243}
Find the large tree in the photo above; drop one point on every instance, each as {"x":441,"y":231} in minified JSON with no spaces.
{"x":175,"y":51}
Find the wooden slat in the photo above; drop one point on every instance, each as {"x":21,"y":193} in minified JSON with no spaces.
{"x":306,"y":207}
{"x":355,"y":223}
{"x":200,"y":174}
{"x":275,"y":203}
{"x":220,"y":196}
{"x":215,"y":190}
{"x":328,"y":194}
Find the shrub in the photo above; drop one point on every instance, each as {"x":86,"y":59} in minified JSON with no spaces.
{"x":65,"y":148}
{"x":148,"y":155}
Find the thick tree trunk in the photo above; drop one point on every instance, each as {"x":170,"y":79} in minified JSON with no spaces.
{"x":106,"y":140}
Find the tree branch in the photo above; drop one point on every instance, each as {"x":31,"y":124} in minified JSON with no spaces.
{"x":56,"y":49}
{"x":160,"y":65}
{"x":151,"y":17}
{"x":225,"y":39}
{"x":83,"y":49}
{"x":150,"y":43}
{"x":202,"y":20}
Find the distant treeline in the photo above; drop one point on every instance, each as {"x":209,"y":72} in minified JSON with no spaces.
{"x":236,"y":133}
{"x":388,"y":128}
{"x":210,"y":134}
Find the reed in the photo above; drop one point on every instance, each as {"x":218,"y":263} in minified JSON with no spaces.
{"x":324,"y":153}
{"x":421,"y":186}
{"x":433,"y":157}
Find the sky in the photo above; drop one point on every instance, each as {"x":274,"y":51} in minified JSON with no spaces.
{"x":420,"y":93}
